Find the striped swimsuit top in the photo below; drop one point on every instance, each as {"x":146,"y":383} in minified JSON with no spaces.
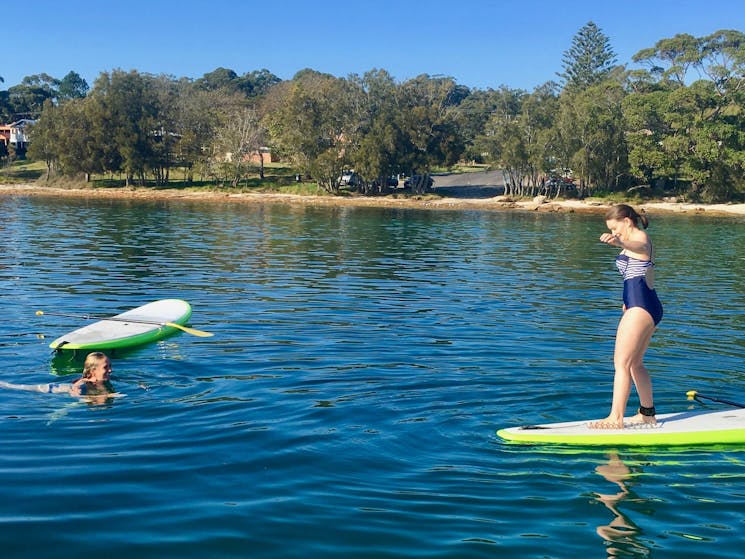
{"x":631,"y":267}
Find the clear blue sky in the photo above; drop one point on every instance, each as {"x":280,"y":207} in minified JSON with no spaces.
{"x":480,"y":43}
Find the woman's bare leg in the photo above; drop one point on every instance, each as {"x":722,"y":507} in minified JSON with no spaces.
{"x":632,"y":340}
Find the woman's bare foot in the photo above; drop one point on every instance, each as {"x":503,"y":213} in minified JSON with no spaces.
{"x":640,"y":419}
{"x":614,"y":423}
{"x":607,"y":423}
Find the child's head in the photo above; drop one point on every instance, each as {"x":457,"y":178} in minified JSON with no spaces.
{"x":97,"y":366}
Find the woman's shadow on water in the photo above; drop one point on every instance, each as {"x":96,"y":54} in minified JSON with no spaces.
{"x":621,"y":535}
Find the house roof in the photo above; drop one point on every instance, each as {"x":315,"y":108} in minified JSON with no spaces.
{"x":21,"y":123}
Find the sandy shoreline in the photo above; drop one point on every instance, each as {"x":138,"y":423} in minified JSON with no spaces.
{"x":391,"y":201}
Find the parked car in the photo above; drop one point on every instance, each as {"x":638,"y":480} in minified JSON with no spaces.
{"x":390,"y":182}
{"x":560,"y":182}
{"x":349,"y":178}
{"x":416,"y":179}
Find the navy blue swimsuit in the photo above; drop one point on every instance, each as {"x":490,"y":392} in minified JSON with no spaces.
{"x":636,"y":292}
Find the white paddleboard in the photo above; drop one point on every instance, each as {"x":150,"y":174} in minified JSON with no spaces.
{"x":673,"y":429}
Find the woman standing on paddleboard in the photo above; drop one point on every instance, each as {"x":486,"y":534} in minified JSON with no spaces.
{"x":642,"y":311}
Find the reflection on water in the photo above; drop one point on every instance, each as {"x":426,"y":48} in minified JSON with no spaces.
{"x":621,"y":534}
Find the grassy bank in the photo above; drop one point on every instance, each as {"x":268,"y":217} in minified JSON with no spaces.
{"x":20,"y":172}
{"x":280,"y":185}
{"x":278,"y":178}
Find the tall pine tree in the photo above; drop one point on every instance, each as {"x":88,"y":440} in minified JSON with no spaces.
{"x":589,"y":60}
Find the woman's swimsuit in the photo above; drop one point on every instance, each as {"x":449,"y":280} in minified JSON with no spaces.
{"x":636,"y":292}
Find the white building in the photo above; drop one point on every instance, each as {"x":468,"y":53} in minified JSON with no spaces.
{"x":15,"y":134}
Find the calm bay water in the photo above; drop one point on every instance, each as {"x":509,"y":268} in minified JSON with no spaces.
{"x":347,"y":405}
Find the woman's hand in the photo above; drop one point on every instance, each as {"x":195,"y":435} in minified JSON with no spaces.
{"x":611,"y":239}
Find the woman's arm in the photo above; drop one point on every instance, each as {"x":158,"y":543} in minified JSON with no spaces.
{"x":77,"y":388}
{"x":51,"y":388}
{"x":637,"y":245}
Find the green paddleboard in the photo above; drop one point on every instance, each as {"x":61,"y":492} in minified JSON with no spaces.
{"x":135,"y":327}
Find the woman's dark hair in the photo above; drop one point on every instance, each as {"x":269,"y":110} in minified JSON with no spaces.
{"x":622,"y":211}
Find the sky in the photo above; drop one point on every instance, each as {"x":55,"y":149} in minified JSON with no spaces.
{"x":481,"y":44}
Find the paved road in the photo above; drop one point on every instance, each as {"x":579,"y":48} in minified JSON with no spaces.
{"x":469,"y":185}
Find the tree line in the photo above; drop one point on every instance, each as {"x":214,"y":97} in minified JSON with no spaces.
{"x":674,"y":124}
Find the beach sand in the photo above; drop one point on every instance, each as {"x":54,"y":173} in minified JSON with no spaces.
{"x":539,"y":203}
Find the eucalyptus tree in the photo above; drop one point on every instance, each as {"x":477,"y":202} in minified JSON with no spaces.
{"x":71,"y":141}
{"x":313,"y":122}
{"x":89,"y":148}
{"x":198,"y":114}
{"x":671,"y":59}
{"x":724,"y":62}
{"x":218,"y":79}
{"x":127,"y":106}
{"x":428,"y":121}
{"x":592,"y":128}
{"x":189,"y":127}
{"x":501,"y":142}
{"x":256,"y":83}
{"x":95,"y":133}
{"x":472,"y":115}
{"x":239,"y":134}
{"x":708,"y":139}
{"x":719,"y":57}
{"x":251,"y":85}
{"x":520,"y":137}
{"x":512,"y":154}
{"x":377,"y":154}
{"x":536,"y":123}
{"x":27,"y":98}
{"x":651,"y":152}
{"x":724,"y":65}
{"x":698,"y":125}
{"x":404,"y":128}
{"x":45,"y":135}
{"x":72,"y":86}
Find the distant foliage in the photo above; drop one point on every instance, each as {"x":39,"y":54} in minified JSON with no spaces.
{"x":72,"y":86}
{"x":673,"y":125}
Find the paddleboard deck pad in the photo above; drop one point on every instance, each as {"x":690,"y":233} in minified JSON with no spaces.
{"x":674,"y":429}
{"x":135,"y":327}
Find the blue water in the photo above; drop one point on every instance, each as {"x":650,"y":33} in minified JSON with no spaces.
{"x":348,"y":402}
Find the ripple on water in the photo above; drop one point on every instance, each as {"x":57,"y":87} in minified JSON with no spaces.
{"x":347,"y":404}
